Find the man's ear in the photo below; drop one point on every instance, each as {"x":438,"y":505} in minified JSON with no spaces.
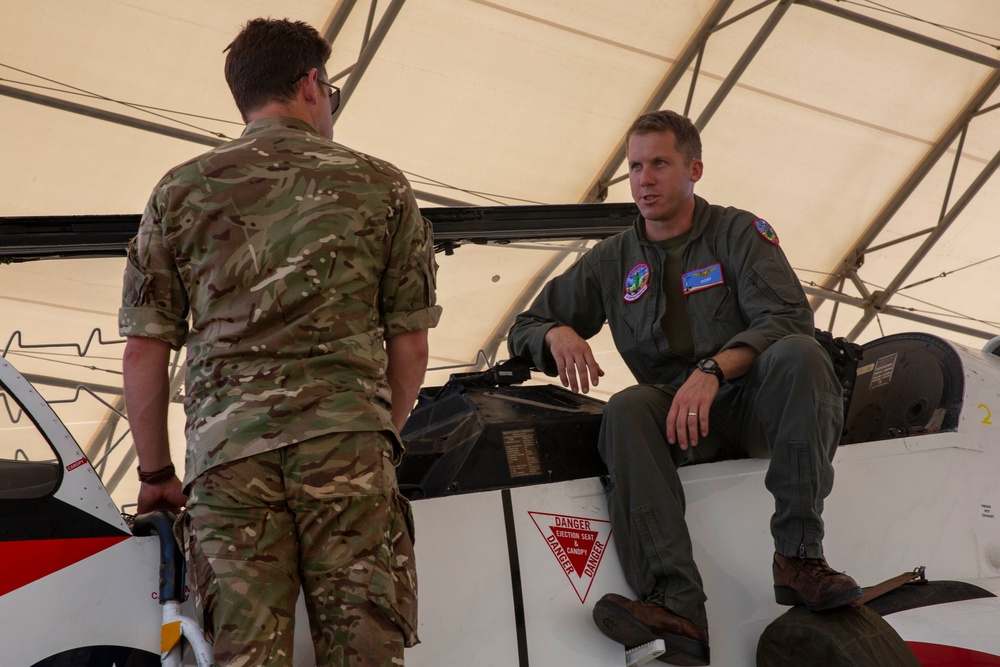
{"x":308,"y":87}
{"x":697,"y":168}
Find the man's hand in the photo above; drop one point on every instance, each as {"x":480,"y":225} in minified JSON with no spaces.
{"x":167,"y":496}
{"x":573,"y":358}
{"x":688,"y":416}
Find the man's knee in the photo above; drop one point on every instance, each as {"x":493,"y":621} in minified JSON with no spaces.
{"x":634,"y":418}
{"x":801,"y":356}
{"x":797,"y":348}
{"x":637,"y":401}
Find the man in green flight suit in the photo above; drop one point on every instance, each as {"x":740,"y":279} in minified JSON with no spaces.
{"x":711,"y":320}
{"x":298,"y":274}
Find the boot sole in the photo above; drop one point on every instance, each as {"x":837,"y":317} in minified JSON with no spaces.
{"x":790,"y":598}
{"x":620,"y":626}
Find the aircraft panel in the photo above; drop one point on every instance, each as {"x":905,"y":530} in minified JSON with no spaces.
{"x":463,"y":578}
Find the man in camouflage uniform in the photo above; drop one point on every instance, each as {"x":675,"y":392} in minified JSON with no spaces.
{"x":299,"y":275}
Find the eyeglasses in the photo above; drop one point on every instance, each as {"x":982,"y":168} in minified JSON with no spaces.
{"x":334,"y":95}
{"x":334,"y":92}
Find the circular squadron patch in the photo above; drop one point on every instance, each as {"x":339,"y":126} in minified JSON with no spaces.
{"x":636,"y":282}
{"x":766,"y":231}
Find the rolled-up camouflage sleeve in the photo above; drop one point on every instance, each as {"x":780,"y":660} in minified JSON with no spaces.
{"x":408,"y":288}
{"x":154,"y":302}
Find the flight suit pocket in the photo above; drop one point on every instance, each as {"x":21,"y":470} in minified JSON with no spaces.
{"x":769,"y":281}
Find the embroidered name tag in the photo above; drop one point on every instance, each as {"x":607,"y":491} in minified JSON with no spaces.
{"x":699,"y":279}
{"x":636,"y":282}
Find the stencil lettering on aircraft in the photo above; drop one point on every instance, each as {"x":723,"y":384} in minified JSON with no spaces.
{"x":578,"y":545}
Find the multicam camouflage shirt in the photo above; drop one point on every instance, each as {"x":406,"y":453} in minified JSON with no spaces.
{"x":283,"y":261}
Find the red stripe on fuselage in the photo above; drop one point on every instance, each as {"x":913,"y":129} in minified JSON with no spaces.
{"x":938,"y":655}
{"x":30,"y":560}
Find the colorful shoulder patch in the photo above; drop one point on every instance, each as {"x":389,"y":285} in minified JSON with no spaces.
{"x":766,"y":231}
{"x":699,"y":279}
{"x":636,"y":282}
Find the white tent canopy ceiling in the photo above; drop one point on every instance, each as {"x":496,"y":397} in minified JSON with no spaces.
{"x":866,"y":132}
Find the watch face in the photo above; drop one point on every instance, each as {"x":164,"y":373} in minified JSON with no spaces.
{"x":710,"y":365}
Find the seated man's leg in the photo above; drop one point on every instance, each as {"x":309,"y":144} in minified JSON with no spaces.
{"x":646,"y":501}
{"x":793,"y":412}
{"x":646,"y":504}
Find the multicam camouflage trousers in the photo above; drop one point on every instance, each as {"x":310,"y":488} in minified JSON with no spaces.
{"x":324,"y":515}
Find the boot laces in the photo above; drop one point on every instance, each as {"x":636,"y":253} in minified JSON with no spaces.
{"x":818,"y":567}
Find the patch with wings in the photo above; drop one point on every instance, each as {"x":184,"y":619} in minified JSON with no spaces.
{"x":703,"y":278}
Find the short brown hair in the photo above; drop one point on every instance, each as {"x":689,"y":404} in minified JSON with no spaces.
{"x":264,"y":59}
{"x":686,"y":137}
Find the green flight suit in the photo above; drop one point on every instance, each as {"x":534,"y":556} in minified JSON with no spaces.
{"x":739,"y":290}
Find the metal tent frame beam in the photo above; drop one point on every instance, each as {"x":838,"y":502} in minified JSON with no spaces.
{"x":853,"y":260}
{"x":847,"y":270}
{"x":880,"y":299}
{"x":891,"y":29}
{"x":368,"y":50}
{"x":333,"y":28}
{"x":109,"y":116}
{"x":901,"y":313}
{"x":742,"y":63}
{"x":597,"y":191}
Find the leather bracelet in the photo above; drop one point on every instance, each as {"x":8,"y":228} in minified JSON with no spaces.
{"x":160,"y":476}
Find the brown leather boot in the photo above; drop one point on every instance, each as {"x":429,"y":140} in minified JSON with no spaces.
{"x":810,"y":581}
{"x":632,"y":624}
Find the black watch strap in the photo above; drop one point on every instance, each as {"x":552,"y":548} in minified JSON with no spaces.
{"x":711,"y":366}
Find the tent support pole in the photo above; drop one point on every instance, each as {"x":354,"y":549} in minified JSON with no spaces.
{"x":881,"y":299}
{"x":902,"y":313}
{"x":368,"y":54}
{"x":741,"y":65}
{"x":597,"y":191}
{"x":337,"y":19}
{"x":896,"y":31}
{"x":854,"y":257}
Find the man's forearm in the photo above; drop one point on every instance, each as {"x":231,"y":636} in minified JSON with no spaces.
{"x":147,"y":397}
{"x":405,"y":372}
{"x":736,"y":361}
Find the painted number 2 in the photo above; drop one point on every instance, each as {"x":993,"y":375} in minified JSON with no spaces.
{"x":986,"y":419}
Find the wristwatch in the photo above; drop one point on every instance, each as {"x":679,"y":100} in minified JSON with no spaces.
{"x":711,"y":366}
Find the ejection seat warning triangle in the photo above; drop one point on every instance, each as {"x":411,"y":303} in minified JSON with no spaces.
{"x":578,"y":545}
